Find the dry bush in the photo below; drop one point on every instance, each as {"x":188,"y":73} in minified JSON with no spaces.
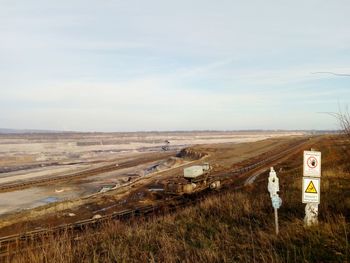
{"x":343,"y":119}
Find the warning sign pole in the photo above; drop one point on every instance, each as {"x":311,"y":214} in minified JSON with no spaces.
{"x":276,"y":221}
{"x":311,"y":186}
{"x":273,"y":187}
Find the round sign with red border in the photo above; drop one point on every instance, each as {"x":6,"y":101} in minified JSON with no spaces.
{"x":312,"y":162}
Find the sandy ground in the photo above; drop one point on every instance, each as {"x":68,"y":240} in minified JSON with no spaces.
{"x":16,"y":149}
{"x":59,"y":191}
{"x":52,"y":171}
{"x":33,"y":197}
{"x":23,"y":153}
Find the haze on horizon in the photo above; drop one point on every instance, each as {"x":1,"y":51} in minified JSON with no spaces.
{"x":173,"y":65}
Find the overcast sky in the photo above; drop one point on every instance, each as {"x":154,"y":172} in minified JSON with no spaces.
{"x":131,"y":65}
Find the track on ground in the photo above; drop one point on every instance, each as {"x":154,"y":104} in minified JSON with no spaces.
{"x":10,"y":245}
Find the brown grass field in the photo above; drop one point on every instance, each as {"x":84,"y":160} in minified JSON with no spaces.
{"x":231,"y":226}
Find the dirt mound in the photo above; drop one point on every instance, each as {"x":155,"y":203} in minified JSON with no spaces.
{"x":191,"y":153}
{"x":171,"y":162}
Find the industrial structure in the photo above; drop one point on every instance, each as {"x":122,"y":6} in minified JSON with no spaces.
{"x":195,"y":178}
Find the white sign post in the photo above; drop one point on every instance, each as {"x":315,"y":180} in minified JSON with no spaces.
{"x":311,"y":187}
{"x":273,"y":187}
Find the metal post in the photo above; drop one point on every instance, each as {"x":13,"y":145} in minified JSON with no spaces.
{"x":273,"y":188}
{"x":311,"y":186}
{"x":276,"y":221}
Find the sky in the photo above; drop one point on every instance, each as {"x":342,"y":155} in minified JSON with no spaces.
{"x":105,"y":65}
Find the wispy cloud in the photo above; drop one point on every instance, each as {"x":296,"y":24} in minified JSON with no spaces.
{"x":333,"y":73}
{"x":131,"y":65}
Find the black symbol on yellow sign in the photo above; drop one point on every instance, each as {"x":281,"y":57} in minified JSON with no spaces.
{"x":311,"y":188}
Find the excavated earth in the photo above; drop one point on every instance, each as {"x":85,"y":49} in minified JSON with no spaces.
{"x":129,"y":183}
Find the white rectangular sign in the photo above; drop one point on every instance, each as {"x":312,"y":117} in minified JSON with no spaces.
{"x":311,"y":190}
{"x":312,"y":163}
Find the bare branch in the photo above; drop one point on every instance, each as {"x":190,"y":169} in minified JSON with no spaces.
{"x":343,"y":117}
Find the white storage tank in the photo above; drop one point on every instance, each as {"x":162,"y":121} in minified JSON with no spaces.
{"x":193,"y":171}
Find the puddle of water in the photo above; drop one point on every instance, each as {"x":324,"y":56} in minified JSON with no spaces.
{"x":50,"y":199}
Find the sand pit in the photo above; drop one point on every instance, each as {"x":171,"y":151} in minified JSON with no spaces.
{"x":82,"y":151}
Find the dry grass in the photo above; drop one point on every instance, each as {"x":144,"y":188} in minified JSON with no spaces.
{"x":230,"y":227}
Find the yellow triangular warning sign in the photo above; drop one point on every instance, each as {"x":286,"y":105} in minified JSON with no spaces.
{"x":311,"y":188}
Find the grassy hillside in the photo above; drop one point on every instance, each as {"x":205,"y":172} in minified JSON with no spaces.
{"x":235,"y":226}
